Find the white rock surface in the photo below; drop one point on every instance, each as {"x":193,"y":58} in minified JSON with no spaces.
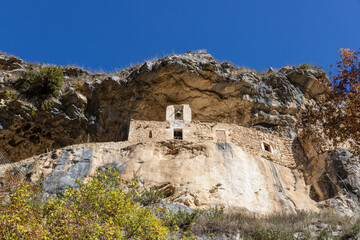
{"x":202,"y":175}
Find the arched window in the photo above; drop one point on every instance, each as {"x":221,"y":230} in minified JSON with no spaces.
{"x":178,"y":114}
{"x":150,"y":134}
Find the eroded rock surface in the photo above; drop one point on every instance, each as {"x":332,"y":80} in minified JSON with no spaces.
{"x":333,"y":174}
{"x":98,"y":107}
{"x":197,"y":175}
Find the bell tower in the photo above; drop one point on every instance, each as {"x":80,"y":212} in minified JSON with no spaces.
{"x":178,"y":116}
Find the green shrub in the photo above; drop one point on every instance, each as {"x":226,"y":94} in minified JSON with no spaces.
{"x":182,"y":219}
{"x":275,"y":226}
{"x":272,"y":233}
{"x":150,"y":196}
{"x":98,"y":209}
{"x":48,"y":80}
{"x":352,"y":230}
{"x":310,"y":66}
{"x":8,"y":96}
{"x":47,"y":104}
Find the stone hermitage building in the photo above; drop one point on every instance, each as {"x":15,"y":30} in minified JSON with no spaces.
{"x":178,"y":126}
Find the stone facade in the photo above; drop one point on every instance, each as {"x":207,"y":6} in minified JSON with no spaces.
{"x":269,"y":146}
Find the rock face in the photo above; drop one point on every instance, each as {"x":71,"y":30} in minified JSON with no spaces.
{"x":99,"y":108}
{"x":10,"y":62}
{"x":333,"y":175}
{"x":199,"y":175}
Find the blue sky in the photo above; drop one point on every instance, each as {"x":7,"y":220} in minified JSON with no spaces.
{"x":108,"y":35}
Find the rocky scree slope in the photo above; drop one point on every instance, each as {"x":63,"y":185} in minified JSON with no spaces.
{"x":98,"y":108}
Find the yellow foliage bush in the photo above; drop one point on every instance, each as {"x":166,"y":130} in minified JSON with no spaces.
{"x":98,"y":209}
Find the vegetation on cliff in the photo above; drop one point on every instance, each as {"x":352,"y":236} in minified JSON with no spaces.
{"x":339,"y":110}
{"x":107,"y":207}
{"x":345,"y":92}
{"x":46,"y":81}
{"x":98,"y":107}
{"x":99,"y":209}
{"x":92,"y":210}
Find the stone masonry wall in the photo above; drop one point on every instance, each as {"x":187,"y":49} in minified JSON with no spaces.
{"x":283,"y":151}
{"x":139,"y":131}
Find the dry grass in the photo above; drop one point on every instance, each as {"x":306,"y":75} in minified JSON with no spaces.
{"x":242,"y":70}
{"x":238,"y":71}
{"x":304,"y":225}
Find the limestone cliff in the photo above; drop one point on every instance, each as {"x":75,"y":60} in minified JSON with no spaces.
{"x":99,"y":108}
{"x":197,"y":175}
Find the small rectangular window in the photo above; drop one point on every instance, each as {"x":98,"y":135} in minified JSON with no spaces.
{"x":267,"y":147}
{"x":178,"y":134}
{"x":221,"y":135}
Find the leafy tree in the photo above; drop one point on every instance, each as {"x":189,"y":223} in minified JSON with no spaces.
{"x":345,"y":93}
{"x":339,"y":111}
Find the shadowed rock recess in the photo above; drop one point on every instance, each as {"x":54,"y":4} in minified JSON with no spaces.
{"x":92,"y":109}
